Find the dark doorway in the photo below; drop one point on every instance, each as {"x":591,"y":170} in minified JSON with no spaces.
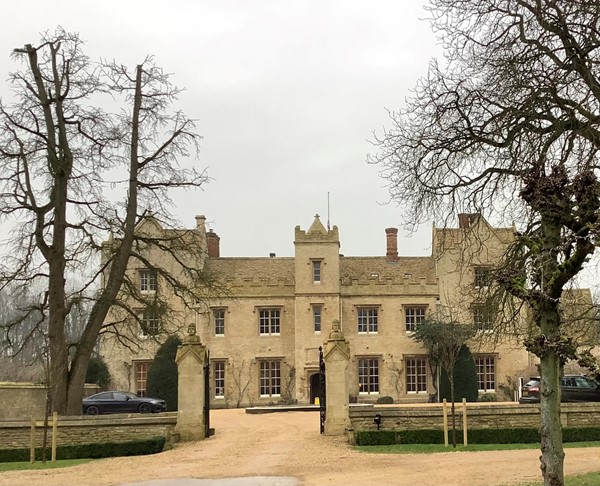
{"x":315,"y":387}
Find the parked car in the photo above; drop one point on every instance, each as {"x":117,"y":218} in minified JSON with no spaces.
{"x":574,"y":388}
{"x":121,"y":402}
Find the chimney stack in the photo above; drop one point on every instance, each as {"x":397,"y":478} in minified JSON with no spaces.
{"x":212,"y":242}
{"x":464,"y":220}
{"x":391,"y":236}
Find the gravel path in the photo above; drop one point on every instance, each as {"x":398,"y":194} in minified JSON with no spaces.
{"x":289,"y":445}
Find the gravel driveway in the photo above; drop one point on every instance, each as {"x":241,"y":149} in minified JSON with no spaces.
{"x":289,"y":445}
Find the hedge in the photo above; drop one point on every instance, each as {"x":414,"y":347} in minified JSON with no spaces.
{"x":475,"y":436}
{"x":89,"y":451}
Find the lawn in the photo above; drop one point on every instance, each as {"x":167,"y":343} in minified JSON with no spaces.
{"x":591,"y":479}
{"x":18,"y":466}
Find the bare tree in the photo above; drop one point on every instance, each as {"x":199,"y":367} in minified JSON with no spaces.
{"x":74,"y":173}
{"x":509,"y":127}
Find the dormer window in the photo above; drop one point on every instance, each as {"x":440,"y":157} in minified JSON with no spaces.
{"x":316,"y":271}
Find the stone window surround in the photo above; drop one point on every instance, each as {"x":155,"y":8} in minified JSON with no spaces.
{"x":149,"y":322}
{"x":313,"y":307}
{"x":272,"y":326}
{"x":370,"y":359}
{"x":420,"y":371}
{"x":410,"y":326}
{"x":218,"y":325}
{"x":147,"y":279}
{"x":218,"y":368}
{"x":140,"y":370}
{"x":272,"y":382}
{"x":368,"y":324}
{"x":483,"y":367}
{"x":482,"y":276}
{"x":316,"y":265}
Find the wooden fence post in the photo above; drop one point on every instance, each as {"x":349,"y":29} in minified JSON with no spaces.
{"x":54,"y":434}
{"x":32,"y":443}
{"x":464,"y":400}
{"x":445,"y":410}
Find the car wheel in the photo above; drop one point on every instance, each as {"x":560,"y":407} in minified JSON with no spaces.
{"x":92,"y":410}
{"x":145,"y":408}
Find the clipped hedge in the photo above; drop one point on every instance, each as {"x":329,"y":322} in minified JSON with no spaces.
{"x":89,"y":451}
{"x":476,"y":436}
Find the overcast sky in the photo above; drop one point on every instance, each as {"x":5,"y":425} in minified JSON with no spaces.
{"x":287,"y":95}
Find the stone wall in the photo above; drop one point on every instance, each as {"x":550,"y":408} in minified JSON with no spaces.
{"x":479,"y":416}
{"x":26,"y":400}
{"x":89,"y":430}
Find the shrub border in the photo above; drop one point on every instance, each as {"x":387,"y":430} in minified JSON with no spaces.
{"x":475,"y":436}
{"x":89,"y":451}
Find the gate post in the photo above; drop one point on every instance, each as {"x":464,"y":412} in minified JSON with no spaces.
{"x":191,"y":359}
{"x":337,"y":358}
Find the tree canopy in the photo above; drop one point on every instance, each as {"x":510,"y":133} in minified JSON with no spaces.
{"x":90,"y":151}
{"x":507,"y":126}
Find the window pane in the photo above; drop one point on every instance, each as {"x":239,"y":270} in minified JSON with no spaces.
{"x":413,"y":317}
{"x":219,"y":374}
{"x":141,"y":377}
{"x":317,"y":310}
{"x":219,"y":321}
{"x":486,"y":373}
{"x":316,"y":265}
{"x":269,"y":321}
{"x":416,"y":375}
{"x":270,"y":378}
{"x":368,"y":375}
{"x":367,"y":320}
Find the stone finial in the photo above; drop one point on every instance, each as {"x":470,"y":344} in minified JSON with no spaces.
{"x":192,"y":330}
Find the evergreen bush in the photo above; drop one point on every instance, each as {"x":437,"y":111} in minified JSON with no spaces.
{"x":162,"y":374}
{"x":465,"y":378}
{"x":98,"y":373}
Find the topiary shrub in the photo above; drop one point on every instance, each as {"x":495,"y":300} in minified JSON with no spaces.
{"x":465,"y":378}
{"x":385,"y":400}
{"x":97,"y":372}
{"x":162,"y":374}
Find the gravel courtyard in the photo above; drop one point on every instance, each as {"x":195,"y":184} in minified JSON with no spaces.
{"x":288,"y":444}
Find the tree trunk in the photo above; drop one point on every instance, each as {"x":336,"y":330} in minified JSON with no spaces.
{"x":548,"y":319}
{"x":452,"y":408}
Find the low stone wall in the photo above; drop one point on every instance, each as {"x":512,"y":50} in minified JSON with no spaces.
{"x":479,"y":416}
{"x":25,"y":400}
{"x":89,"y":430}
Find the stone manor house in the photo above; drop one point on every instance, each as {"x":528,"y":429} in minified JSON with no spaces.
{"x":264,"y":333}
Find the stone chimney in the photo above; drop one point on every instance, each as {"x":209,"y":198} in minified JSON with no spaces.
{"x":464,"y":220}
{"x":212,"y":242}
{"x":391,"y":236}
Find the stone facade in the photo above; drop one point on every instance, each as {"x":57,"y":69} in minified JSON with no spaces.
{"x":26,"y":400}
{"x":264,"y":331}
{"x":479,"y":416}
{"x":90,"y":430}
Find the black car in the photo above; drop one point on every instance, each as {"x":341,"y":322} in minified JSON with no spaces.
{"x":574,"y":388}
{"x":121,"y":402}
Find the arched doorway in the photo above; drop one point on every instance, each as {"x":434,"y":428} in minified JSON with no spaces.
{"x":315,"y":387}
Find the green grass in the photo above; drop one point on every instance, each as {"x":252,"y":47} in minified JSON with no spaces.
{"x":591,"y":479}
{"x":18,"y":466}
{"x":435,"y":448}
